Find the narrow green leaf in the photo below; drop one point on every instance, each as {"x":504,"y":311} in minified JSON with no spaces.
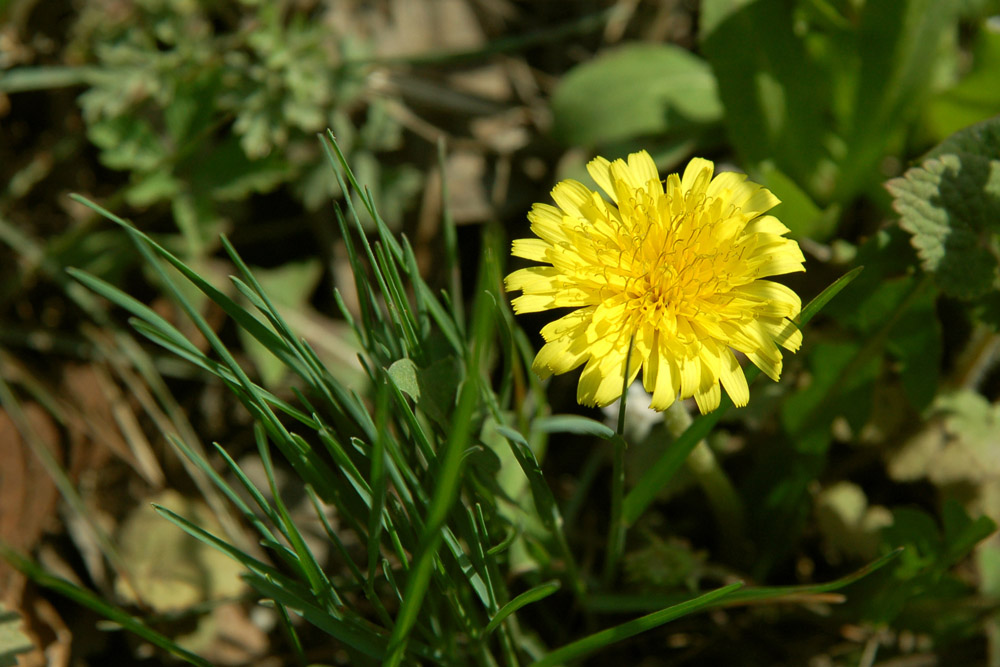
{"x":533,"y":594}
{"x":611,"y":603}
{"x":607,"y":637}
{"x":575,"y":424}
{"x":20,"y":79}
{"x":363,"y":638}
{"x":376,"y":480}
{"x":320,"y":585}
{"x":227,"y":490}
{"x":236,"y":554}
{"x":291,"y":633}
{"x":134,"y":306}
{"x":813,"y":307}
{"x":774,"y":593}
{"x":545,"y":502}
{"x":449,"y":478}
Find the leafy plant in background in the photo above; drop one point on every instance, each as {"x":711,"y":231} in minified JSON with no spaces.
{"x":203,"y":105}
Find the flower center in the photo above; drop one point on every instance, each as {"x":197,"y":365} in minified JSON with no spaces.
{"x":678,"y":260}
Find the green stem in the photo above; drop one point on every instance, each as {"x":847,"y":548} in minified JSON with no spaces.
{"x":725,"y":503}
{"x":616,"y":529}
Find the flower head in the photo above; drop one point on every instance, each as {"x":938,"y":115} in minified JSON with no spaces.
{"x":673,"y":269}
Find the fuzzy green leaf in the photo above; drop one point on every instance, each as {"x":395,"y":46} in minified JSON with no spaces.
{"x":951,"y":206}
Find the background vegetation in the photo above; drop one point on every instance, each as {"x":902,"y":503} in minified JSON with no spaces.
{"x":388,"y":477}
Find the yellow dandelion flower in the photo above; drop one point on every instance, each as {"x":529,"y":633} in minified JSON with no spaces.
{"x":673,"y":267}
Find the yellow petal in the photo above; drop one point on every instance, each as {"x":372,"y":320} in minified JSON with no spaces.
{"x":661,"y":377}
{"x":601,"y":380}
{"x":570,"y":195}
{"x":690,"y":376}
{"x":548,"y":223}
{"x":533,"y":249}
{"x":709,"y":399}
{"x":600,"y":170}
{"x":767,"y":224}
{"x":733,"y":380}
{"x":643,"y":168}
{"x":697,"y":176}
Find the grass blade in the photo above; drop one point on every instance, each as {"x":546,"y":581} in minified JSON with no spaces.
{"x":612,"y":603}
{"x":534,"y":594}
{"x":449,"y":479}
{"x":607,"y":637}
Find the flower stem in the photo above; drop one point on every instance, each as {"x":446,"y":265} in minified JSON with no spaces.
{"x":616,"y":529}
{"x":725,"y":502}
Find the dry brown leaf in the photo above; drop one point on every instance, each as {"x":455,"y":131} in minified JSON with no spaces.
{"x":28,"y":497}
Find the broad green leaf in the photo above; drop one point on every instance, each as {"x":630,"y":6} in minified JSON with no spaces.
{"x":634,"y":90}
{"x":226,"y":173}
{"x":404,"y":374}
{"x":775,"y":93}
{"x":982,"y":139}
{"x":920,"y":580}
{"x":156,"y":186}
{"x":976,"y":97}
{"x":851,"y":528}
{"x":190,"y":113}
{"x":797,"y":209}
{"x":961,"y":532}
{"x":933,"y":549}
{"x":433,"y":388}
{"x":897,"y":45}
{"x":951,"y":206}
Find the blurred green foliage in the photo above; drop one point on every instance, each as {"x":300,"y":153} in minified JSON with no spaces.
{"x":815,"y":93}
